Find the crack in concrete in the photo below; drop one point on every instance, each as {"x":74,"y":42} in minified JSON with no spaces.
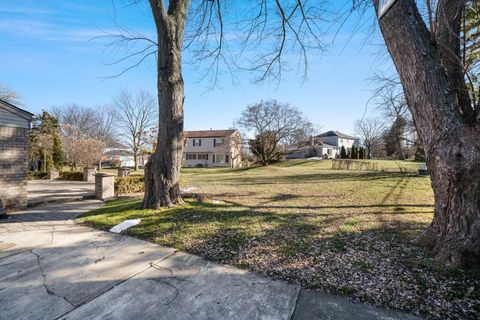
{"x":119,"y":283}
{"x":44,"y":275}
{"x":296,"y":303}
{"x":52,"y":237}
{"x":170,"y":285}
{"x":156,"y":266}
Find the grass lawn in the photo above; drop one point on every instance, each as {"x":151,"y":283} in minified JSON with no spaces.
{"x":343,"y":232}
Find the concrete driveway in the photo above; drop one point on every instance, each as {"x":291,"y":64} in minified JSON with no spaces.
{"x":53,"y":268}
{"x":43,"y":191}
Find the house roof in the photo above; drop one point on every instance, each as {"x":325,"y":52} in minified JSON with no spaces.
{"x":326,"y":145}
{"x":333,"y":133}
{"x":16,"y":110}
{"x":118,"y":152}
{"x":209,"y":133}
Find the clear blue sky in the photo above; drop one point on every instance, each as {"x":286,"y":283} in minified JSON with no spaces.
{"x":48,"y":56}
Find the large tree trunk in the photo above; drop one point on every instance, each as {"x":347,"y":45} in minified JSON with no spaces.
{"x":451,"y":143}
{"x":162,"y":172}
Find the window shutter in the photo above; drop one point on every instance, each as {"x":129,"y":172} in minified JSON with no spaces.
{"x":226,"y":158}
{"x":194,"y":142}
{"x":199,"y":142}
{"x":213,"y":158}
{"x":214,"y":142}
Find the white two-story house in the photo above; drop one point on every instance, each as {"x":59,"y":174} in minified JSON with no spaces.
{"x":327,"y":144}
{"x":338,"y":140}
{"x":212,"y":148}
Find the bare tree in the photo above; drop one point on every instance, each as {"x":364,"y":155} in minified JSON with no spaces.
{"x":80,"y":149}
{"x":233,"y":145}
{"x":277,"y":127}
{"x":8,"y":95}
{"x":429,"y":62}
{"x":97,"y":123}
{"x":136,"y":115}
{"x":370,"y":131}
{"x":391,"y":102}
{"x":276,"y":24}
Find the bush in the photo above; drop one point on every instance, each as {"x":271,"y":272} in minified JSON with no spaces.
{"x":343,"y":153}
{"x":71,"y":175}
{"x":129,"y":184}
{"x":37,"y":175}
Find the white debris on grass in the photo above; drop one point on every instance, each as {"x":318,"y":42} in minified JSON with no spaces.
{"x":315,"y":158}
{"x":189,"y":189}
{"x":217,"y":201}
{"x":125,"y":225}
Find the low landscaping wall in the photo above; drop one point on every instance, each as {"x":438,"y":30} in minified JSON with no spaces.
{"x":354,"y":165}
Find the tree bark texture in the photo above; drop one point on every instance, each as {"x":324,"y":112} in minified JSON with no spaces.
{"x":162,"y":172}
{"x":450,"y":139}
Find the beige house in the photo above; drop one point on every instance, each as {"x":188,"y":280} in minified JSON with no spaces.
{"x":212,"y":148}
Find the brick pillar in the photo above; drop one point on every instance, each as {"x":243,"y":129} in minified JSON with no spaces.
{"x":104,"y":186}
{"x":89,"y":174}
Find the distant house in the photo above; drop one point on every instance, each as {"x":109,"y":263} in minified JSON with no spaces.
{"x":338,"y":139}
{"x":212,"y":148}
{"x":123,"y":158}
{"x":327,"y":144}
{"x":14,"y":132}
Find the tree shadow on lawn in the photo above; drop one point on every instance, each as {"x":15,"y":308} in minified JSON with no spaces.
{"x":234,"y":222}
{"x":355,"y":176}
{"x":379,"y":265}
{"x":332,"y":252}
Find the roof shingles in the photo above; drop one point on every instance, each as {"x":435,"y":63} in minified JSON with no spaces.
{"x":332,"y":133}
{"x":209,"y":133}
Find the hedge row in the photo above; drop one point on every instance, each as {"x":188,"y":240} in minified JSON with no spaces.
{"x":129,"y":184}
{"x":37,"y":175}
{"x":71,"y":175}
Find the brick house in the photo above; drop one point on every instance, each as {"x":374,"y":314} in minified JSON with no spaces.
{"x":14,"y":131}
{"x":212,"y":148}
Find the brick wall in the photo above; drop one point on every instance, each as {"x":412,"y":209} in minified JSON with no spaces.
{"x":13,"y":167}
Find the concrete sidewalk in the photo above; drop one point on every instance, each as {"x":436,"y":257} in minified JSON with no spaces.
{"x":52,"y":268}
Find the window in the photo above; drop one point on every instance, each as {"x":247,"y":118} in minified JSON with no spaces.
{"x":202,"y":156}
{"x":220,"y":158}
{"x":199,"y":142}
{"x":193,"y":142}
{"x":191,"y":156}
{"x":217,"y":142}
{"x":226,"y":158}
